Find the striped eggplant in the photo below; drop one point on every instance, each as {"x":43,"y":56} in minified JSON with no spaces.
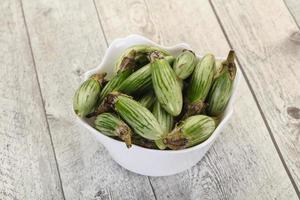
{"x":184,"y":64}
{"x":219,"y":67}
{"x":139,"y":80}
{"x":165,"y":84}
{"x":114,"y":83}
{"x":221,"y":89}
{"x":138,"y":53}
{"x":180,"y":83}
{"x":147,"y":100}
{"x":111,"y":125}
{"x":200,"y":84}
{"x":87,"y":95}
{"x":165,"y":120}
{"x":190,"y":132}
{"x":127,"y":67}
{"x":140,"y":119}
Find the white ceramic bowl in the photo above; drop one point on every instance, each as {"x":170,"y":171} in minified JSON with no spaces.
{"x":144,"y":161}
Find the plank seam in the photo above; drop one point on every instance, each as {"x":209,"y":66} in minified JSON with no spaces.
{"x":105,"y":38}
{"x":258,"y":106}
{"x":41,"y":96}
{"x":152,"y":188}
{"x":100,"y":23}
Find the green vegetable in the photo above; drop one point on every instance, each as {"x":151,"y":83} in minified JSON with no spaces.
{"x":139,"y":80}
{"x":111,"y":125}
{"x":87,"y":95}
{"x":165,"y":84}
{"x":114,"y":83}
{"x":200,"y":84}
{"x":147,"y":100}
{"x":126,"y":68}
{"x":140,"y":119}
{"x":184,"y":64}
{"x":190,"y":132}
{"x":221,"y":89}
{"x":165,"y":120}
{"x":138,"y":54}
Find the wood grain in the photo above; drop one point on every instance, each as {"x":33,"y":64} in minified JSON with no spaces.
{"x":294,"y":8}
{"x":243,"y":164}
{"x":67,"y":40}
{"x":264,"y":38}
{"x":27,"y":164}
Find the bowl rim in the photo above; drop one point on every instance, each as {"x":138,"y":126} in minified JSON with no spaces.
{"x":216,"y":132}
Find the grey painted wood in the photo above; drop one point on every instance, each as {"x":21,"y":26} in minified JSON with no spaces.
{"x":27,"y":164}
{"x":67,"y":40}
{"x":243,"y":164}
{"x":263,"y":35}
{"x":294,"y":8}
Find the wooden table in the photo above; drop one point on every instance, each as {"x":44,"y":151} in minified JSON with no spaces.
{"x":46,"y":46}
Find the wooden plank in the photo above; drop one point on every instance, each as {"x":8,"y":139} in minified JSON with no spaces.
{"x":27,"y":164}
{"x":67,"y":40}
{"x":294,"y":8}
{"x":263,"y":35}
{"x":243,"y":164}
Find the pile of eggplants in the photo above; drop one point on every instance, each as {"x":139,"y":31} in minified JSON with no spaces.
{"x":156,"y":100}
